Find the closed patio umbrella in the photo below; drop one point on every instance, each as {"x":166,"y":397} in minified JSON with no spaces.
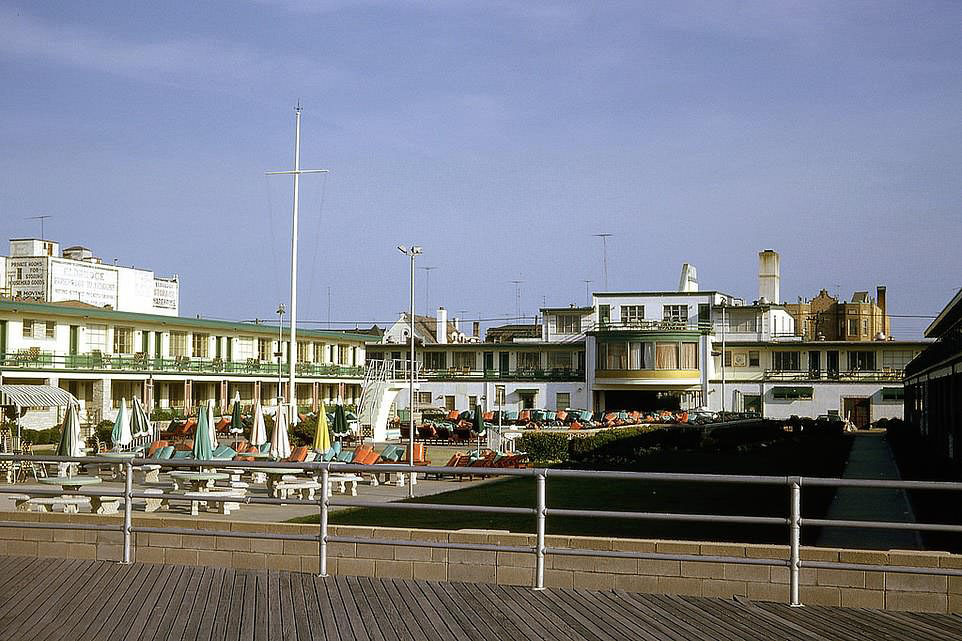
{"x":202,"y":450}
{"x":280,"y":441}
{"x":340,"y":421}
{"x":478,"y":421}
{"x":259,"y":430}
{"x":120,"y":436}
{"x":236,"y":424}
{"x":139,"y":421}
{"x":211,"y":425}
{"x":322,"y":436}
{"x":70,"y":442}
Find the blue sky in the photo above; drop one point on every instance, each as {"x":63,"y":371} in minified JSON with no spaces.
{"x":497,"y":135}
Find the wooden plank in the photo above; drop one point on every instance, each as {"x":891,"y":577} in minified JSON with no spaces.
{"x":144,"y":600}
{"x":48,"y":611}
{"x":367,"y":614}
{"x":222,"y":580}
{"x":246,"y":614}
{"x":261,"y":607}
{"x":586,"y":627}
{"x":350,"y":609}
{"x":699,"y":618}
{"x":882,"y":624}
{"x":275,"y":625}
{"x":288,"y":631}
{"x":405,"y":622}
{"x":230,"y":620}
{"x":677,"y":626}
{"x":311,"y":610}
{"x":501,"y":603}
{"x":604,"y":605}
{"x":172,"y":591}
{"x":383,"y":613}
{"x":75,"y":627}
{"x":117,"y":601}
{"x":175,"y":619}
{"x":132,"y":606}
{"x":302,"y":623}
{"x":418,"y":614}
{"x":724,"y":612}
{"x":460,"y":620}
{"x":193,"y":606}
{"x":325,"y":609}
{"x":67,"y":603}
{"x":37,"y":578}
{"x":482,"y":599}
{"x":531,"y":602}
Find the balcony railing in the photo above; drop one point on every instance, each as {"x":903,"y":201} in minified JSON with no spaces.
{"x":530,"y":374}
{"x":645,"y":325}
{"x":94,"y":362}
{"x":862,"y":375}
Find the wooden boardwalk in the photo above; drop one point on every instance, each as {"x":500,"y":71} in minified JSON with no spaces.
{"x":80,"y":600}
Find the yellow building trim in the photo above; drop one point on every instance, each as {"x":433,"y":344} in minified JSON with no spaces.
{"x":651,"y":374}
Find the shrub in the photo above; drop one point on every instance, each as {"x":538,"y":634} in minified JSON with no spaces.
{"x":102,"y":431}
{"x":42,"y":437}
{"x":544,"y":447}
{"x":166,"y":414}
{"x":303,"y":432}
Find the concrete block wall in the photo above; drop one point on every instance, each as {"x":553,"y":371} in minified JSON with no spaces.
{"x":846,"y":588}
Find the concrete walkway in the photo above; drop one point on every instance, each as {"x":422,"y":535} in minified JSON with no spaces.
{"x":870,"y":458}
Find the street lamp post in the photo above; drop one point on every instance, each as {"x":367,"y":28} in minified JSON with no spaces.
{"x":411,"y":253}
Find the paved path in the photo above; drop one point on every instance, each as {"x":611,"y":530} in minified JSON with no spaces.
{"x":870,"y":458}
{"x":94,"y":600}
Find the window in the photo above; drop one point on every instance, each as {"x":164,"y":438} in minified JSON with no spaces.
{"x":689,"y":356}
{"x":178,"y":344}
{"x":616,"y":357}
{"x":704,"y":314}
{"x":893,"y":393}
{"x":786,"y":361}
{"x":464,"y":360}
{"x":728,"y":358}
{"x":666,"y":355}
{"x":896,"y":359}
{"x":637,"y":355}
{"x":861,"y":361}
{"x":342,"y":355}
{"x":675,"y":314}
{"x":472,"y":402}
{"x":793,"y":393}
{"x":97,"y":338}
{"x":562,"y":400}
{"x":499,"y":395}
{"x":319,"y":352}
{"x":741,"y":321}
{"x":753,"y":359}
{"x":243,"y":348}
{"x":527,"y":398}
{"x":853,"y":327}
{"x":264,"y":350}
{"x":529,"y":360}
{"x":559,"y":360}
{"x":303,"y":351}
{"x":568,"y":324}
{"x":38,"y":329}
{"x":632,"y":314}
{"x":864,"y":327}
{"x":604,"y":314}
{"x":123,"y":340}
{"x":449,"y":403}
{"x":424,"y":398}
{"x":199,"y":344}
{"x":434,"y":360}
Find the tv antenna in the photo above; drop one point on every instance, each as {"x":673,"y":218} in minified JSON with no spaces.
{"x":41,"y":218}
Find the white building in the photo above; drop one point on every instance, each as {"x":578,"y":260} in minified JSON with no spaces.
{"x":36,"y":271}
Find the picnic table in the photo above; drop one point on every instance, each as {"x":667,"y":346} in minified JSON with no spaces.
{"x":199,"y":481}
{"x":274,"y":475}
{"x":119,"y":468}
{"x":71,"y":501}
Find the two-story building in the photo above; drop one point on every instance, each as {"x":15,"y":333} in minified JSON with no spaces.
{"x":101,"y":355}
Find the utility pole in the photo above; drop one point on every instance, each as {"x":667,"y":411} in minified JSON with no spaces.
{"x":296,"y":172}
{"x":604,"y":248}
{"x":413,"y":252}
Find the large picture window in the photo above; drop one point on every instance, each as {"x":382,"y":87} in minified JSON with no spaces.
{"x":675,"y":314}
{"x":559,"y":360}
{"x":529,"y":360}
{"x":123,"y":340}
{"x":465,"y":360}
{"x":199,"y":346}
{"x":786,"y":361}
{"x":632,"y":314}
{"x":97,"y":338}
{"x":689,"y":356}
{"x":178,"y":344}
{"x":861,"y":361}
{"x":568,"y":324}
{"x":434,"y":360}
{"x":666,"y":355}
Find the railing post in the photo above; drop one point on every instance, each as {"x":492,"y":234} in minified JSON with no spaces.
{"x":539,"y":543}
{"x":794,"y":538}
{"x":128,"y":508}
{"x":322,"y":545}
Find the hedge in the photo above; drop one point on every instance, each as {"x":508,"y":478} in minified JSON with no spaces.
{"x":42,"y":437}
{"x":544,"y":447}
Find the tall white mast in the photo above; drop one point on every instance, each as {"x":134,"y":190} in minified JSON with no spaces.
{"x":292,"y":350}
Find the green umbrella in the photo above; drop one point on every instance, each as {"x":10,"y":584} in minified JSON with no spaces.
{"x":322,"y":435}
{"x":70,"y":443}
{"x":478,"y":425}
{"x":340,"y":421}
{"x":236,"y":423}
{"x":139,"y":421}
{"x":120,"y":435}
{"x":202,"y":450}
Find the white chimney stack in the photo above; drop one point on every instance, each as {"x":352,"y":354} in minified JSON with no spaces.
{"x":442,"y":327}
{"x":768,"y":277}
{"x":689,"y":279}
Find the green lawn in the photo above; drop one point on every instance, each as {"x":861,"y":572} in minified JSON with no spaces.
{"x":809,"y":456}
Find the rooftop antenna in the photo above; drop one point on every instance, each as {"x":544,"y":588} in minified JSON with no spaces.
{"x":41,"y":218}
{"x":604,"y":248}
{"x":587,"y":292}
{"x":329,"y":307}
{"x":517,"y":297}
{"x":427,"y":289}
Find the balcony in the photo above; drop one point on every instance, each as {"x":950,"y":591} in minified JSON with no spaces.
{"x":467,"y":374}
{"x":849,"y":376}
{"x":651,"y":326}
{"x":33,"y":360}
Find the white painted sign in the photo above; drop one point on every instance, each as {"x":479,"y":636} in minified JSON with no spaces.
{"x":91,"y":284}
{"x":166,"y":295}
{"x":27,"y":278}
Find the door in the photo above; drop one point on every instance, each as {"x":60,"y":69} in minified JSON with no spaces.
{"x":489,"y":361}
{"x":157,"y":345}
{"x":831,"y":363}
{"x":74,"y":346}
{"x":815,"y":364}
{"x":504,"y":362}
{"x":857,"y":410}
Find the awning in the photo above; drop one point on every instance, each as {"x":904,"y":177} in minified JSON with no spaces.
{"x":793,"y":392}
{"x":35,"y":396}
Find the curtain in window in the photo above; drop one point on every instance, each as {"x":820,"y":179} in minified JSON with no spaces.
{"x":636,"y":356}
{"x":666,"y":356}
{"x":689,"y":356}
{"x":617,"y":356}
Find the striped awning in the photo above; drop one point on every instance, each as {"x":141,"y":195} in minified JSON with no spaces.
{"x":35,"y":396}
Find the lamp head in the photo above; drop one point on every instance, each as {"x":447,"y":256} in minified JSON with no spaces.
{"x":415,"y":250}
{"x":402,"y":249}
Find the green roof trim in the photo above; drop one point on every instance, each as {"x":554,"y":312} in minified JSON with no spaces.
{"x":172,"y":321}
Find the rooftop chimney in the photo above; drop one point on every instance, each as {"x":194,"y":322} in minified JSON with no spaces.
{"x":880,"y":301}
{"x":768,"y":277}
{"x":476,"y":329}
{"x":441,"y":332}
{"x":689,"y":279}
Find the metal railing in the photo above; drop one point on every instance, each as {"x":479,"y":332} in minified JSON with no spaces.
{"x":537,"y":374}
{"x":793,"y":520}
{"x":650,"y":325}
{"x":30,"y":360}
{"x":866,"y":375}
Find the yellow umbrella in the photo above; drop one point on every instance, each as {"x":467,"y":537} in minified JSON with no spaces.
{"x":322,"y":436}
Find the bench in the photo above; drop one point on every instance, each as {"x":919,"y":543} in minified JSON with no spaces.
{"x":218,"y":501}
{"x":151,"y":473}
{"x":305,"y":488}
{"x":154,"y":504}
{"x":71,"y":505}
{"x":104,"y":504}
{"x":342,"y":480}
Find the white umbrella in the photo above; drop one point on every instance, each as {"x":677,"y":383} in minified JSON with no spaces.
{"x":140,"y":419}
{"x":211,"y":427}
{"x":280,"y":443}
{"x":259,"y":430}
{"x":121,"y":435}
{"x":70,"y":442}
